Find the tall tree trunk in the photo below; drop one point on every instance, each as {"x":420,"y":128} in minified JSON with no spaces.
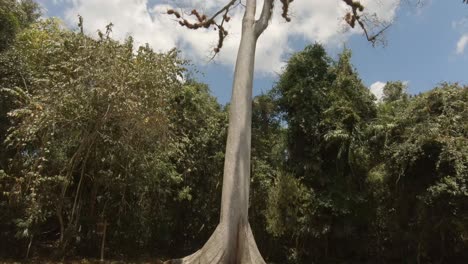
{"x":232,"y":242}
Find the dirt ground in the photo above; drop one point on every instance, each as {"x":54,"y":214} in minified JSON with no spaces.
{"x":82,"y":261}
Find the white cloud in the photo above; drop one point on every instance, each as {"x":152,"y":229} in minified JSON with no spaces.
{"x":462,"y":27}
{"x":377,"y":89}
{"x":461,"y":44}
{"x":312,"y":20}
{"x":461,"y":24}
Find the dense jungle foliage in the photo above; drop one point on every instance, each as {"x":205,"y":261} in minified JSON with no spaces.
{"x":96,"y":132}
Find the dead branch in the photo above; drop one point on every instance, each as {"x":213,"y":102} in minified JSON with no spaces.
{"x":356,"y":15}
{"x":202,"y":21}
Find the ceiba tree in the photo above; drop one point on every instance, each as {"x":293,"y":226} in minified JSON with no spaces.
{"x":232,"y":241}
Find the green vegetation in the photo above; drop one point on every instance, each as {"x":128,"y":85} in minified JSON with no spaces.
{"x":14,"y":16}
{"x":95,"y":131}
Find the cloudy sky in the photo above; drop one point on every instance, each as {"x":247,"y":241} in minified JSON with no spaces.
{"x":425,"y":45}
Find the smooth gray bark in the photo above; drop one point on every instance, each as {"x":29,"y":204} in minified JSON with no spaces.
{"x":232,"y":242}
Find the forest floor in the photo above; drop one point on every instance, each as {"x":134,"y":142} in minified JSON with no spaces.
{"x":82,"y":261}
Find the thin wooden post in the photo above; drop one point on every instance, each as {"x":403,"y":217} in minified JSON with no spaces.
{"x":102,"y":230}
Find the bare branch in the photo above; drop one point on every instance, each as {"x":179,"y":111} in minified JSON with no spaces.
{"x":226,"y":9}
{"x":285,"y":14}
{"x":202,"y":21}
{"x":356,"y":15}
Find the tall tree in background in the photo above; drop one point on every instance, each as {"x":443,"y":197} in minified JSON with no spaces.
{"x":425,"y":156}
{"x":321,"y":204}
{"x":93,"y":135}
{"x":14,"y":16}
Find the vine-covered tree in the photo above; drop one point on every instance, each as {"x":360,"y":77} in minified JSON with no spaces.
{"x":14,"y":16}
{"x":97,"y":129}
{"x":425,"y":157}
{"x":322,"y":198}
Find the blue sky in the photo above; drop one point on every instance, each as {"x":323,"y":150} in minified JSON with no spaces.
{"x":425,"y":46}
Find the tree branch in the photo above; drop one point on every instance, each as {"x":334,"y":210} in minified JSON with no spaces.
{"x":205,"y":22}
{"x":285,"y":14}
{"x":262,"y":23}
{"x":354,"y":16}
{"x":224,"y":9}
